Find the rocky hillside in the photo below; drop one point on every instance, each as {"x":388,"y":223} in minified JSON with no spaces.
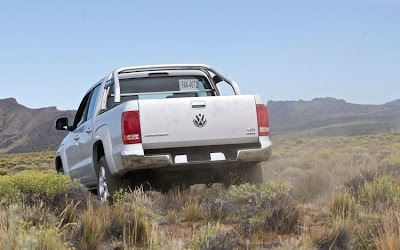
{"x":330,"y":116}
{"x":393,"y":103}
{"x":29,"y":130}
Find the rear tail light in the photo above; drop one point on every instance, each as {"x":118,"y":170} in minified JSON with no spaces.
{"x":263,"y":122}
{"x":131,"y":127}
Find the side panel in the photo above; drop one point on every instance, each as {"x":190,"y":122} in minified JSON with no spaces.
{"x":79,"y":154}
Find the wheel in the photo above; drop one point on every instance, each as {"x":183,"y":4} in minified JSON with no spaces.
{"x":107,"y":184}
{"x":59,"y":166}
{"x":60,"y":170}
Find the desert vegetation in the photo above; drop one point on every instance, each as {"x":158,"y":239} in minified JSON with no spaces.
{"x":321,"y":193}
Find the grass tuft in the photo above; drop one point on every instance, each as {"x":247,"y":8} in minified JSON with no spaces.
{"x":342,"y":206}
{"x":91,"y":227}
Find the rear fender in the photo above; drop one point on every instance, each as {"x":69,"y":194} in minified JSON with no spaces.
{"x":61,"y":154}
{"x":103,"y":134}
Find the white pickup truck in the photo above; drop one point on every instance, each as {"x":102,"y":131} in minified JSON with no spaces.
{"x":164,"y":125}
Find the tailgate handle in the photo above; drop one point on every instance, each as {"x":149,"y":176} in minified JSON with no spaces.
{"x":198,"y":105}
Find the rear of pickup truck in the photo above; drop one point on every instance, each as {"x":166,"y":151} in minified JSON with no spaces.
{"x":171,"y":124}
{"x":198,"y":130}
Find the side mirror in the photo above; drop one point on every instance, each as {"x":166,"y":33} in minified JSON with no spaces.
{"x":62,"y":124}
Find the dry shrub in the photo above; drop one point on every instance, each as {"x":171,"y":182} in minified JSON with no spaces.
{"x":282,"y":217}
{"x":16,"y":233}
{"x":217,"y":205}
{"x":137,"y":227}
{"x":391,"y":166}
{"x":356,"y":183}
{"x":50,"y":238}
{"x":365,"y":234}
{"x":91,"y":227}
{"x":389,"y":235}
{"x":337,"y":237}
{"x":316,"y":183}
{"x":294,"y":243}
{"x":77,"y":194}
{"x":191,"y":211}
{"x":117,"y":220}
{"x":172,"y":217}
{"x":342,"y":206}
{"x":175,"y":200}
{"x":292,"y":173}
{"x":69,"y":215}
{"x":129,"y":223}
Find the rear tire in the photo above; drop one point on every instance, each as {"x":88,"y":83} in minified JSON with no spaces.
{"x":107,"y":184}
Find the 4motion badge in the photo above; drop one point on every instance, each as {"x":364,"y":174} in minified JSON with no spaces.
{"x":200,"y":120}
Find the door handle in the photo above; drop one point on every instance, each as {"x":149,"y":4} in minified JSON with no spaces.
{"x":88,"y":130}
{"x":198,"y":104}
{"x":76,"y":137}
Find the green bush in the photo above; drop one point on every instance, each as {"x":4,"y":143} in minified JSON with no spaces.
{"x":381,"y":193}
{"x":271,"y":201}
{"x":32,"y":183}
{"x":3,"y":172}
{"x":292,"y":172}
{"x":15,"y":233}
{"x":256,"y":194}
{"x":365,"y":234}
{"x":215,"y":237}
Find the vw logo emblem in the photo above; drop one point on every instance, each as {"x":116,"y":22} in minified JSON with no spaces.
{"x":200,"y":120}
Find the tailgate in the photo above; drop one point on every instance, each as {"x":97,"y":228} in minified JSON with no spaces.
{"x":199,"y":121}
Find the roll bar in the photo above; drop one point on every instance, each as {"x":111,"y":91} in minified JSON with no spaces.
{"x":115,"y":73}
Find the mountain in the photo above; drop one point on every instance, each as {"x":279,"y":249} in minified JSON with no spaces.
{"x":393,"y":103}
{"x":29,"y":130}
{"x":26,"y":130}
{"x":330,"y":116}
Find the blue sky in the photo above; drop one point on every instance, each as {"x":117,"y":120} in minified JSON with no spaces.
{"x":53,"y":51}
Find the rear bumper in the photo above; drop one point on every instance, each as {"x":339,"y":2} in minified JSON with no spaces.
{"x":256,"y":155}
{"x":135,"y":160}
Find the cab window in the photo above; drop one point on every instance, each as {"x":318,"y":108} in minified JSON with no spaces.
{"x":80,"y":116}
{"x":92,"y":103}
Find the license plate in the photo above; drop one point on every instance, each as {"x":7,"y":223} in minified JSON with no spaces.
{"x":188,"y":84}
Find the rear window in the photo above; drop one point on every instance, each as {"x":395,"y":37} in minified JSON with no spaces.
{"x":165,"y":87}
